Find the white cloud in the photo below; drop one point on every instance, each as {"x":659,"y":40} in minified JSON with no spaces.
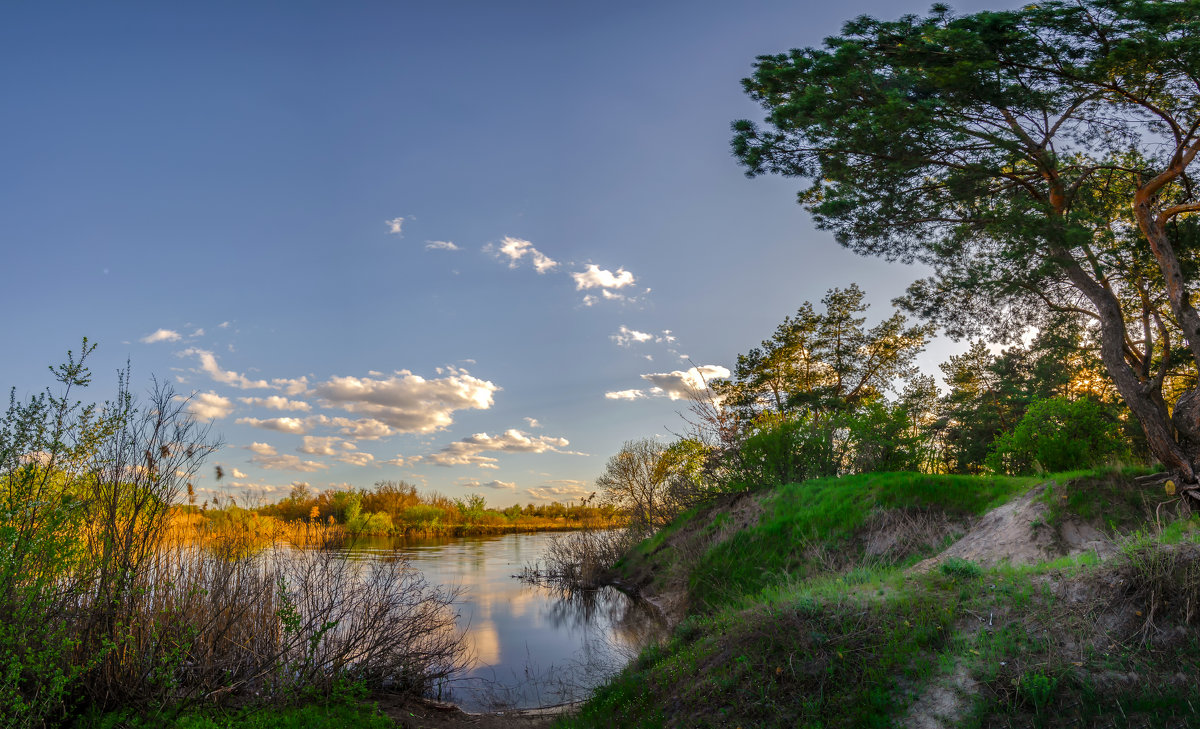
{"x":362,"y":429}
{"x":223,"y":325}
{"x":320,"y":446}
{"x":598,"y":278}
{"x":399,"y":460}
{"x":468,"y":450}
{"x":265,"y":456}
{"x":236,"y":473}
{"x":208,"y":363}
{"x":407,"y":402}
{"x":198,"y":333}
{"x":533,"y":422}
{"x":625,"y":395}
{"x":162,"y":335}
{"x":297,"y":386}
{"x":355,"y":458}
{"x":472,"y":483}
{"x":626,"y":337}
{"x":562,"y":490}
{"x":209,"y":406}
{"x":287,"y":462}
{"x":395,"y":226}
{"x":283,"y":425}
{"x":275,"y":402}
{"x":679,"y":385}
{"x":440,"y":245}
{"x":516,"y":249}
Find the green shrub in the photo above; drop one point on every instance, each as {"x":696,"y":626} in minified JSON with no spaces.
{"x":422,"y":516}
{"x":1058,"y":434}
{"x":786,"y":449}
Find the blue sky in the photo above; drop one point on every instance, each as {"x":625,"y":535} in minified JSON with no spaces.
{"x":458,"y":244}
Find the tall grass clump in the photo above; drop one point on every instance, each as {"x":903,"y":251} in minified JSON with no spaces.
{"x":110,"y":602}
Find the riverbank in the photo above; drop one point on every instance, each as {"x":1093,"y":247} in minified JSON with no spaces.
{"x":900,"y":600}
{"x":921,"y":601}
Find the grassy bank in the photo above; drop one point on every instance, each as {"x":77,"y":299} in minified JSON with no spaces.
{"x":810,"y":606}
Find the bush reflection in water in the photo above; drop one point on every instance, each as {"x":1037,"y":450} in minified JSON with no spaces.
{"x":529,"y":645}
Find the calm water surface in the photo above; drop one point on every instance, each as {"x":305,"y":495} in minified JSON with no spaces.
{"x":530,"y":645}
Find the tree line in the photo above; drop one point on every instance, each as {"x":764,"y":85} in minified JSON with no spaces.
{"x":398,"y":507}
{"x":828,"y":395}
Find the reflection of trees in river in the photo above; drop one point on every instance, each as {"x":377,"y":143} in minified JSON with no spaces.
{"x":634,"y":621}
{"x":531,"y":645}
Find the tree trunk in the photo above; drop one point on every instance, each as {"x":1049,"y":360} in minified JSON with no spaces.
{"x":1139,"y":396}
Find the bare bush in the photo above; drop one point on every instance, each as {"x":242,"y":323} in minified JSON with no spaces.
{"x":581,"y":560}
{"x":218,"y":622}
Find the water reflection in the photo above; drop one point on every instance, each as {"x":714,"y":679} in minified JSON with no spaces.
{"x":531,"y":645}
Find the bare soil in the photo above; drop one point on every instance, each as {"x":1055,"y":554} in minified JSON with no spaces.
{"x":1018,"y":533}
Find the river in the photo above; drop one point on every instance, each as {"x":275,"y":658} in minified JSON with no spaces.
{"x":530,"y":645}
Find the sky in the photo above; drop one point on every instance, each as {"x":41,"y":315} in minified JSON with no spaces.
{"x":475,"y":246}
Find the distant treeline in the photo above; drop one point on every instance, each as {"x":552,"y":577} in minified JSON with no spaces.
{"x":397,"y":507}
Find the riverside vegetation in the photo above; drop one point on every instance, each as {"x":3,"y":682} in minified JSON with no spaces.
{"x":117,"y":613}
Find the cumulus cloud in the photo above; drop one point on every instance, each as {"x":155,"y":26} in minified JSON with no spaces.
{"x":681,"y":384}
{"x":283,"y":425}
{"x":515,"y":249}
{"x":406,"y":402}
{"x":162,"y":335}
{"x":469,"y":450}
{"x":287,"y":462}
{"x":208,"y":363}
{"x":533,"y":422}
{"x":626,"y":395}
{"x":500,"y":485}
{"x":395,"y":226}
{"x":265,"y":456}
{"x":275,"y":402}
{"x":598,"y":278}
{"x":440,"y":245}
{"x":362,"y":429}
{"x":297,"y":386}
{"x":626,"y":337}
{"x":676,"y":385}
{"x":236,"y":473}
{"x":208,"y":405}
{"x":355,"y":458}
{"x":561,"y":490}
{"x":320,"y":446}
{"x":399,"y":460}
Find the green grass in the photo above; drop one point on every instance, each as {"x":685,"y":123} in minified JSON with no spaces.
{"x":782,"y":664}
{"x":1107,"y":497}
{"x":826,"y":514}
